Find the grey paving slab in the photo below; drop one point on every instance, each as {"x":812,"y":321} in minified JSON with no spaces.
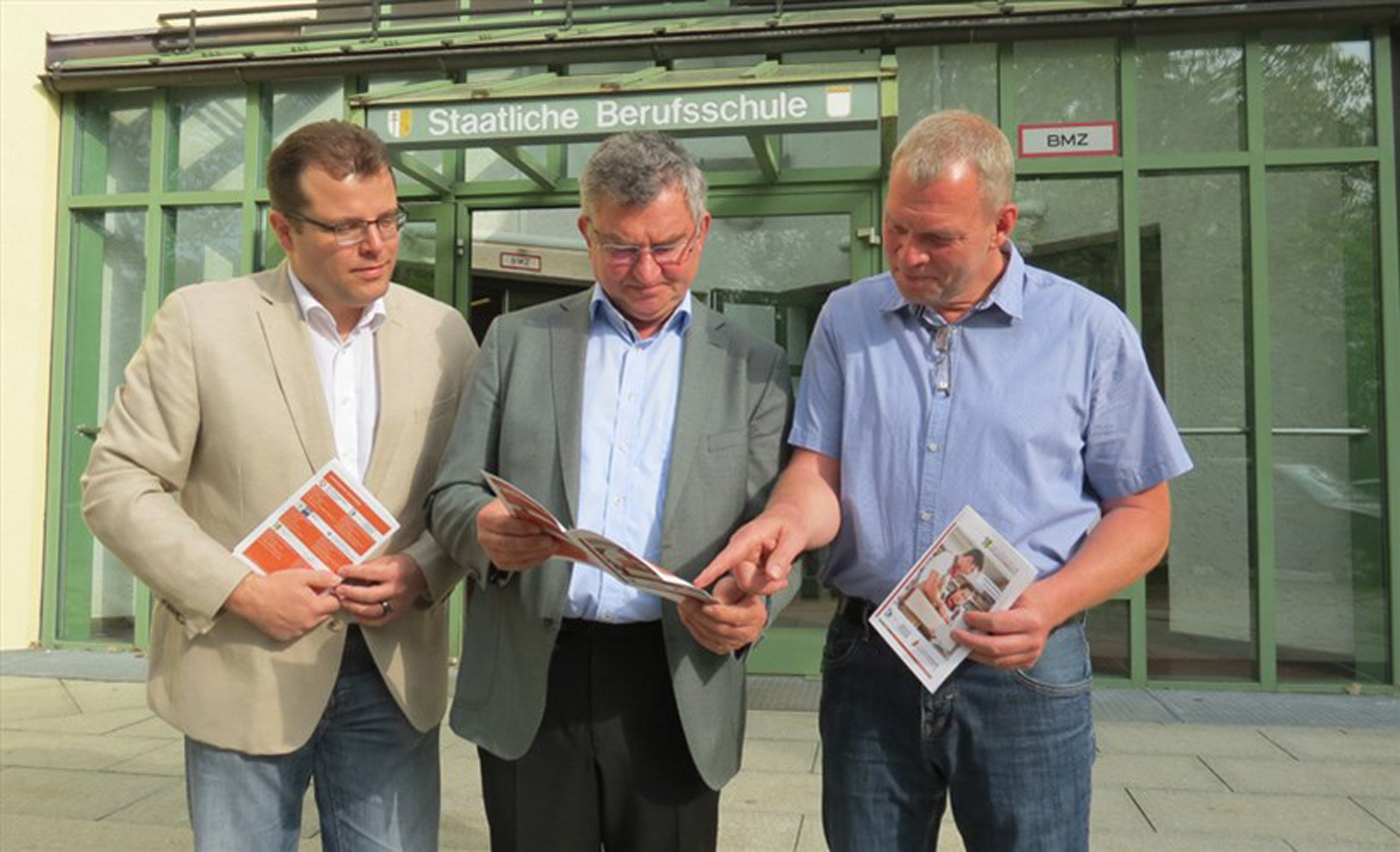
{"x":95,"y":696}
{"x":1326,"y":778}
{"x":1138,"y":841}
{"x":11,"y":683}
{"x":47,"y":750}
{"x":1386,"y":810}
{"x":153,"y":727}
{"x":1323,"y":844}
{"x":45,"y":702}
{"x":780,"y":755}
{"x":788,"y":792}
{"x":165,"y":806}
{"x":1162,"y":771}
{"x":757,"y":830}
{"x":1152,"y":738}
{"x":781,"y":725}
{"x":102,"y":722}
{"x":1260,"y":815}
{"x":71,"y":794}
{"x":1365,"y":745}
{"x":1129,"y":705}
{"x":810,"y":837}
{"x":85,"y":665}
{"x":24,"y":832}
{"x":1114,"y":810}
{"x":166,"y":758}
{"x":459,"y":830}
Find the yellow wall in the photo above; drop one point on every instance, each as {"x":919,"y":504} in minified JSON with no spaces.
{"x":28,"y":209}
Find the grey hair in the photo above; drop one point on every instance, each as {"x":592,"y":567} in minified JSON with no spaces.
{"x":948,"y":138}
{"x":631,"y":169}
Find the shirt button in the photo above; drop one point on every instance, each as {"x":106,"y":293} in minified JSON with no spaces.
{"x":631,"y":397}
{"x":622,"y":446}
{"x":924,"y":516}
{"x":618,"y":501}
{"x":933,"y":446}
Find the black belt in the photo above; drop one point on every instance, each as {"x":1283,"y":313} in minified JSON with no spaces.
{"x":356,"y":658}
{"x":601,"y":631}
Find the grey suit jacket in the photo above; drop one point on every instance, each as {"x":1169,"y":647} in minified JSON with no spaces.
{"x":223,"y":405}
{"x":521,"y":420}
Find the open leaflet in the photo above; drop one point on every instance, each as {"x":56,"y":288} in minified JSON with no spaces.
{"x":970,"y":567}
{"x":596,"y":550}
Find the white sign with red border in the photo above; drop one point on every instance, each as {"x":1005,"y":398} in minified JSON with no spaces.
{"x":1092,"y":139}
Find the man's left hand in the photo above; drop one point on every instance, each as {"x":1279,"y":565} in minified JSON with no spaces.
{"x":733,"y":620}
{"x":1013,"y":638}
{"x":380,"y":590}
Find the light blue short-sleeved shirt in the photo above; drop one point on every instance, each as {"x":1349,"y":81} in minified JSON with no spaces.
{"x":1032,"y":408}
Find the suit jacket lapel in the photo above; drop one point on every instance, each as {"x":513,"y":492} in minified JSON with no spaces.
{"x":701,"y":364}
{"x":568,"y":344}
{"x":294,"y":364}
{"x":395,"y":369}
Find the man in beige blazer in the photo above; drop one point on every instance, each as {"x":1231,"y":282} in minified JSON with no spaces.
{"x":240,"y":391}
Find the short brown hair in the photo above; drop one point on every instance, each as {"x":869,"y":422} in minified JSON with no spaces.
{"x":339,"y":147}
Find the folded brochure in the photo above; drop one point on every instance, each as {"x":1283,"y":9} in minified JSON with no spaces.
{"x":594,"y":549}
{"x":970,"y":567}
{"x":329,"y":522}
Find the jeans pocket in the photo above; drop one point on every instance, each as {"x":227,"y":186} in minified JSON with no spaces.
{"x":1064,"y":669}
{"x":842,"y":642}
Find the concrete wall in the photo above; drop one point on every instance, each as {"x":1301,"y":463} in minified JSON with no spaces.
{"x":29,"y":129}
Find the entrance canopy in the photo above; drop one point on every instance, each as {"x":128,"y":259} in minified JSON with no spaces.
{"x":757,"y":103}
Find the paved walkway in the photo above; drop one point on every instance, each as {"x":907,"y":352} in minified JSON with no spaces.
{"x":84,"y":765}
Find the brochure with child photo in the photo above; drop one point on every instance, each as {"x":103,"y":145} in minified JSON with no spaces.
{"x":597,"y":550}
{"x":970,"y":567}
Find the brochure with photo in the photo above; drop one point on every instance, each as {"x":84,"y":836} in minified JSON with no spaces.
{"x":597,"y":550}
{"x":329,"y":522}
{"x":970,"y":567}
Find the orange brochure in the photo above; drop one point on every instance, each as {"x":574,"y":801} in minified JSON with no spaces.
{"x":329,"y":522}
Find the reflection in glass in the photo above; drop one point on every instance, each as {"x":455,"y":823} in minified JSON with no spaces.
{"x":1193,"y":256}
{"x":1070,"y":227}
{"x":298,"y":102}
{"x":946,"y":76}
{"x":523,"y":257}
{"x":205,"y":243}
{"x":1318,"y":91}
{"x":114,"y":142}
{"x":116,"y":239}
{"x":1066,"y":80}
{"x":1325,"y":351}
{"x":208,"y":126}
{"x":417,"y":253}
{"x":1190,"y":93}
{"x":1200,"y":602}
{"x":1108,"y":631}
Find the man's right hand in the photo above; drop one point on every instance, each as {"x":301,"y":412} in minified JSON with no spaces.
{"x":512,"y":544}
{"x":287,"y":604}
{"x":760,"y":553}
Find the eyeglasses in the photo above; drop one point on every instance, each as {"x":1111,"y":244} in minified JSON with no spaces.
{"x":668,"y":255}
{"x":356,"y":231}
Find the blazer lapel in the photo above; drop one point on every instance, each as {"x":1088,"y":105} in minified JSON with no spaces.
{"x":702,"y":362}
{"x":295,"y":367}
{"x":568,"y":344}
{"x":395,"y":369}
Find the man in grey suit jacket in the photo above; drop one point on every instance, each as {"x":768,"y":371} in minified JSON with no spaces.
{"x":241,"y":390}
{"x":605,"y":716}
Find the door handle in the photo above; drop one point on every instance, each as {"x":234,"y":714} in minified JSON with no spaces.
{"x":89,"y":432}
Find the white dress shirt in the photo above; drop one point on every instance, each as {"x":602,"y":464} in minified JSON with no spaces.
{"x":349,"y":375}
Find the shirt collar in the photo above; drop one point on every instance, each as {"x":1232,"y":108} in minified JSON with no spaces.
{"x":1008,"y":295}
{"x":601,"y":307}
{"x":315,"y":314}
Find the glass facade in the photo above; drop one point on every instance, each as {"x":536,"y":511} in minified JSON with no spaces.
{"x":1238,"y":224}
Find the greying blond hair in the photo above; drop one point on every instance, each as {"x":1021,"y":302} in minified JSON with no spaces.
{"x":945,"y":139}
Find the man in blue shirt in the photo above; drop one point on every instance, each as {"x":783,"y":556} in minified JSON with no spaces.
{"x":965,"y":377}
{"x":605,"y":716}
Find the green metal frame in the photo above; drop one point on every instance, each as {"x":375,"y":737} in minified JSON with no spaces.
{"x":449,"y":200}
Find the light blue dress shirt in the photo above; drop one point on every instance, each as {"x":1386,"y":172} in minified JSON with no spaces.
{"x":630,"y":390}
{"x":1032,"y":408}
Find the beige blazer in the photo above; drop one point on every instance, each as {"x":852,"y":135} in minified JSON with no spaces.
{"x":221,"y":417}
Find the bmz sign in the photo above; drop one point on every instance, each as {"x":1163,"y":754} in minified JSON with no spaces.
{"x":1069,"y":140}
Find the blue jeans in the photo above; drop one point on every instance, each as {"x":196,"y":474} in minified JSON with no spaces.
{"x":1012,"y":749}
{"x":377,"y":779}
